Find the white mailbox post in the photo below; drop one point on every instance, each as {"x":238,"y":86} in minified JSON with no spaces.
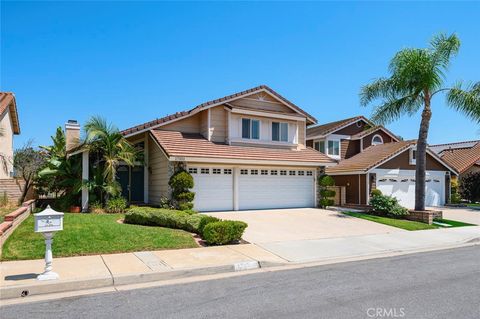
{"x":48,"y":222}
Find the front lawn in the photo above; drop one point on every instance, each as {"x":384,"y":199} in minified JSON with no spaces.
{"x":90,"y":234}
{"x":399,"y":223}
{"x":407,"y":224}
{"x":476,"y":205}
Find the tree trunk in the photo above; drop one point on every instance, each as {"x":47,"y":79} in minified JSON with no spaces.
{"x":421,"y":156}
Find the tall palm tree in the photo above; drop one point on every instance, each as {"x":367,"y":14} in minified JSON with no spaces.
{"x":110,"y":147}
{"x":416,"y":76}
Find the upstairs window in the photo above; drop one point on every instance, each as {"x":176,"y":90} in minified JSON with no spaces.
{"x":334,"y":148}
{"x":250,"y":129}
{"x":377,"y":140}
{"x":279,"y":132}
{"x":413,"y":157}
{"x":320,"y":146}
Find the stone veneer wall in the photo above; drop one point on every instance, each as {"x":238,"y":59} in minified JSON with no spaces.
{"x":425,"y":216}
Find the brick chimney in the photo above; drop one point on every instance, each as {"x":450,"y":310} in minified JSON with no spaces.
{"x":72,"y":134}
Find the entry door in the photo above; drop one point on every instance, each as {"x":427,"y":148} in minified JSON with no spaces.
{"x":276,"y":188}
{"x":123,"y":177}
{"x":136,"y":184}
{"x":213,"y":187}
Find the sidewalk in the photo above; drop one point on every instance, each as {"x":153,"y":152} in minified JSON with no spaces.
{"x":90,"y":272}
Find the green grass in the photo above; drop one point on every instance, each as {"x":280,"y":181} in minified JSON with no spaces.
{"x":453,"y":223}
{"x":399,"y":223}
{"x":473,"y":205}
{"x":89,"y":234}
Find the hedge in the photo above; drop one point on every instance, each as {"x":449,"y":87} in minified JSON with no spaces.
{"x":223,"y":232}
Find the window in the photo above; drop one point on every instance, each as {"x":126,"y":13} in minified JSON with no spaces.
{"x":273,"y":172}
{"x":251,"y":129}
{"x":413,"y":157}
{"x":227,"y":171}
{"x":244,"y":172}
{"x":254,"y":172}
{"x":283,"y":172}
{"x":320,"y":146}
{"x":359,"y":123}
{"x":309,"y":173}
{"x":301,"y":173}
{"x":333,"y":147}
{"x":217,"y":171}
{"x":192,"y":170}
{"x":377,"y":140}
{"x":279,"y":132}
{"x":291,"y":173}
{"x":205,"y":171}
{"x":264,"y":172}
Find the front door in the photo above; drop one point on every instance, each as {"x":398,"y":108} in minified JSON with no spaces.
{"x":131,"y":180}
{"x":123,"y":177}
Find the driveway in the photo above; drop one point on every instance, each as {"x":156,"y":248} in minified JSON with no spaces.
{"x":466,"y":215}
{"x":279,"y":225}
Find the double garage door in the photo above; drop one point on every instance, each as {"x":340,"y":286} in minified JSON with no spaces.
{"x":219,"y":188}
{"x":402,"y":186}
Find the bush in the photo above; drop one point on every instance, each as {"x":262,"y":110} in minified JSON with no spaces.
{"x":470,"y":187}
{"x":116,"y":205}
{"x":375,"y":192}
{"x":223,"y":232}
{"x":96,"y":207}
{"x":185,"y":220}
{"x":205,"y":221}
{"x":387,"y":206}
{"x":181,"y":182}
{"x":326,"y":194}
{"x":166,"y":203}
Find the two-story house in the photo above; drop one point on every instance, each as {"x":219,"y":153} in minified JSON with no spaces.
{"x":371,"y":157}
{"x":245,"y":151}
{"x":9,"y":126}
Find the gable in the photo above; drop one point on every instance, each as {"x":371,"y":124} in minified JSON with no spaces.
{"x":354,"y":128}
{"x":402,"y":161}
{"x":260,"y":102}
{"x":367,"y":140}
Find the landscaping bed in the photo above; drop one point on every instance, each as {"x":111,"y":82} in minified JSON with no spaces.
{"x":90,"y":234}
{"x":406,"y":224}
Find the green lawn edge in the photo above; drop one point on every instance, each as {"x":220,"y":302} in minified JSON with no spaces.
{"x":399,"y":223}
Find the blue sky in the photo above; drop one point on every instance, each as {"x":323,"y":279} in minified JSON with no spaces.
{"x":133,"y":62}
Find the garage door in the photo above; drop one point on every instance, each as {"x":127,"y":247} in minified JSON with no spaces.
{"x":213,"y":188}
{"x":402,"y":186}
{"x":275,"y":188}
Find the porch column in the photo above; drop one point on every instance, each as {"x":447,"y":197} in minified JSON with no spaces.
{"x":85,"y":178}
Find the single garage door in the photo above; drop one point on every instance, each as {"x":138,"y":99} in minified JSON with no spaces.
{"x":275,"y":188}
{"x":213,"y":188}
{"x":402,"y":186}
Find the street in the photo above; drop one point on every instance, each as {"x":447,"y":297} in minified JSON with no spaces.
{"x":441,"y":284}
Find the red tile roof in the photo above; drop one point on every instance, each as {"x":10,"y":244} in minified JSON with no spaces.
{"x":212,"y":102}
{"x":179,"y":144}
{"x":462,"y":158}
{"x":324,"y":129}
{"x":7,"y":100}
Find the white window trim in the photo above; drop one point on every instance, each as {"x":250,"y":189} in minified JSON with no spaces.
{"x":412,"y":161}
{"x":279,"y":131}
{"x":375,"y":136}
{"x":251,"y":128}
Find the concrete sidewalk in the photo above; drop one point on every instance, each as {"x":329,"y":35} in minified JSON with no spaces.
{"x":91,"y":272}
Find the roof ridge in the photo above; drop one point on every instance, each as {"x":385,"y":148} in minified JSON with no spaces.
{"x":453,"y":143}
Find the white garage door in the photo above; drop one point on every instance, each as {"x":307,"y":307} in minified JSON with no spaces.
{"x":213,"y":188}
{"x":401,"y":184}
{"x":277,"y":188}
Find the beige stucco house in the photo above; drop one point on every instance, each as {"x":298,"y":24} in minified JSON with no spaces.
{"x":245,"y":151}
{"x":9,"y":126}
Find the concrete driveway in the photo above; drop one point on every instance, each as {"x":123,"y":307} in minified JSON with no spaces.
{"x":466,"y":215}
{"x":279,"y":225}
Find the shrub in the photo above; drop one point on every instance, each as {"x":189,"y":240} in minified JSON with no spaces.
{"x":326,"y":194}
{"x":96,"y":207}
{"x":387,"y":206}
{"x":470,"y":187}
{"x":223,"y":232}
{"x":181,"y":182}
{"x":375,"y":192}
{"x":205,"y":221}
{"x":176,"y":219}
{"x":116,"y":205}
{"x":166,"y":203}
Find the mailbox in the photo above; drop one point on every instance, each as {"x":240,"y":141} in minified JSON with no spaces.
{"x":48,"y":221}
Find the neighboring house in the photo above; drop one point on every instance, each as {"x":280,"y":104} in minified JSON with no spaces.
{"x":9,"y":126}
{"x":245,"y":151}
{"x":463,"y":156}
{"x":346,"y":138}
{"x":390,"y":168}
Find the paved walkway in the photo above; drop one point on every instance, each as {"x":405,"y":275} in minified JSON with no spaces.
{"x":88,"y":272}
{"x":278,"y":225}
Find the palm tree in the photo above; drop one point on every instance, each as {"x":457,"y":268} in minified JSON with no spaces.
{"x":109,"y":147}
{"x":416,"y":76}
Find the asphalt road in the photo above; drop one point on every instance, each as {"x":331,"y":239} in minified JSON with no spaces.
{"x":442,"y":284}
